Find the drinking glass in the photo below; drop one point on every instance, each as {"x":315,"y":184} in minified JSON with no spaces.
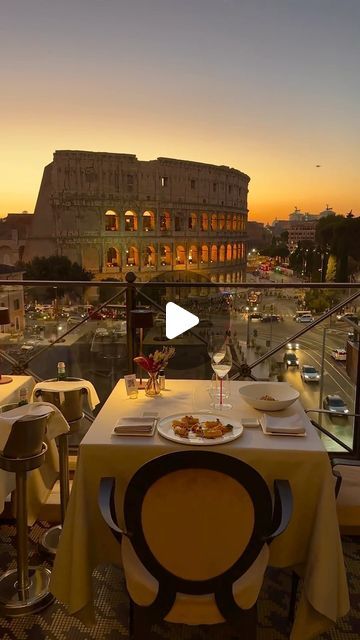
{"x":221,"y":363}
{"x":214,"y":391}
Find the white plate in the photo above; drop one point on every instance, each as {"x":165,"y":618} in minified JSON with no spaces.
{"x":166,"y":430}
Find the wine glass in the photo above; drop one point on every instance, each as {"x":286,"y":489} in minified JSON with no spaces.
{"x":221,"y":363}
{"x":210,"y":346}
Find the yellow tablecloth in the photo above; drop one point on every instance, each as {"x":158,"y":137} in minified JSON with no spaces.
{"x":311,"y":543}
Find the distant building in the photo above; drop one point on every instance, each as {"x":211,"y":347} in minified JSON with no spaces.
{"x":14,"y":231}
{"x":12,"y":297}
{"x":300,"y":231}
{"x":300,"y":226}
{"x":258,"y":235}
{"x":112,"y":213}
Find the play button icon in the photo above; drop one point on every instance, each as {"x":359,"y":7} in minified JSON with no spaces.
{"x":178,"y":320}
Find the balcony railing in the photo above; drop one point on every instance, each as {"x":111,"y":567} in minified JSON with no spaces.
{"x":88,"y":327}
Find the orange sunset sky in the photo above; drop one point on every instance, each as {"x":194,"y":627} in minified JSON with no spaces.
{"x":268,"y":87}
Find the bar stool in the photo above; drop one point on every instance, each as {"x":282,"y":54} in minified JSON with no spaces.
{"x":25,"y":589}
{"x":70,"y":403}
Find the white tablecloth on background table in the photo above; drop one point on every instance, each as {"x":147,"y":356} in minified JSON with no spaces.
{"x":311,"y":543}
{"x":39,"y":481}
{"x":10,"y":393}
{"x":61,"y":386}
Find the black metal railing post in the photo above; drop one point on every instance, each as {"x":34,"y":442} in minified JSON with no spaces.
{"x":356,"y":436}
{"x":130,"y":331}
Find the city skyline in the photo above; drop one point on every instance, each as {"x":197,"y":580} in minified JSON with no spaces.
{"x":268,"y":90}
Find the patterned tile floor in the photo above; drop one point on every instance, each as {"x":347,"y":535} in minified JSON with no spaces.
{"x":112,"y":605}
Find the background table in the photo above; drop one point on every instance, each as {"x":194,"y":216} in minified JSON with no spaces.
{"x":311,"y":543}
{"x":40,"y":481}
{"x":11,"y":393}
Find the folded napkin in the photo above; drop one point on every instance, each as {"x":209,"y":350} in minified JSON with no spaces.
{"x":55,"y":426}
{"x":135,"y":426}
{"x":283,"y":425}
{"x":61,"y":386}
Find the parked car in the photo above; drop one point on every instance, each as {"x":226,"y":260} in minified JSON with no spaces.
{"x":335,"y":404}
{"x":290,"y":359}
{"x":256,"y":316}
{"x":305,"y":318}
{"x":309,"y":373}
{"x":338,"y":354}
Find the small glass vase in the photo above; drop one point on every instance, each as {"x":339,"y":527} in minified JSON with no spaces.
{"x":152,"y":386}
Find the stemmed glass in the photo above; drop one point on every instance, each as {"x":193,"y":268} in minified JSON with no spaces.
{"x":210,"y":346}
{"x":221,"y":362}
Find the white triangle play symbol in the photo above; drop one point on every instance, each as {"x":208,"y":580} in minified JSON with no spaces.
{"x":178,"y":320}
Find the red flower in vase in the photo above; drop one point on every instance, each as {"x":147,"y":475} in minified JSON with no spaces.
{"x":155,"y":361}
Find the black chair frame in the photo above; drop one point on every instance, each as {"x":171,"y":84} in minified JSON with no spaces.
{"x":270,"y":520}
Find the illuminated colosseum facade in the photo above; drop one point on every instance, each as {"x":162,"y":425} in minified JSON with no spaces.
{"x":113,"y":213}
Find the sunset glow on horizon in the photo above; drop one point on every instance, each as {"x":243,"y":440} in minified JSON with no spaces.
{"x":269,"y":88}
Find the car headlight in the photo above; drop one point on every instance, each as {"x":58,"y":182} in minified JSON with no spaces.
{"x":346,"y":410}
{"x":297,"y":361}
{"x":288,"y":361}
{"x":317,"y":376}
{"x":332,"y":409}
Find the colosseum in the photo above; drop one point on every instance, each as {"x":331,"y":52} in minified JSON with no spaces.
{"x":113,"y":213}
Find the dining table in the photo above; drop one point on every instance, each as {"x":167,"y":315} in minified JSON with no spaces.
{"x":39,"y":481}
{"x":311,"y":544}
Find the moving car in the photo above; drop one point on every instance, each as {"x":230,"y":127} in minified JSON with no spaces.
{"x":335,"y":404}
{"x":347,"y":316}
{"x":290,"y":359}
{"x":305,"y":318}
{"x":270,"y":318}
{"x":338,"y":354}
{"x":305,"y":312}
{"x":309,"y":373}
{"x":293,"y":346}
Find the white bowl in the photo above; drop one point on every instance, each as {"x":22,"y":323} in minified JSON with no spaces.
{"x":283,"y":393}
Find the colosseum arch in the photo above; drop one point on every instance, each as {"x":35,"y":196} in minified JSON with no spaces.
{"x":193,"y":254}
{"x":228,"y":252}
{"x":228,"y":222}
{"x":221,"y":221}
{"x":132,"y":257}
{"x":222,"y":253}
{"x":165,"y":255}
{"x":204,"y":222}
{"x":180,"y":254}
{"x":234,"y":222}
{"x":131,"y":221}
{"x":204,"y":256}
{"x":149,"y":256}
{"x":192,"y":221}
{"x":213,"y":222}
{"x":234,"y":251}
{"x":214,"y":253}
{"x":112,"y":257}
{"x":165,"y":221}
{"x":111,"y":220}
{"x":148,"y":221}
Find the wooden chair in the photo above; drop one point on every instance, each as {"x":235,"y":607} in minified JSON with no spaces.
{"x":195,"y":546}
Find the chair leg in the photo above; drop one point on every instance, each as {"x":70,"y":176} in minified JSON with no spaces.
{"x":141,"y":626}
{"x":293,"y":595}
{"x":246,"y":625}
